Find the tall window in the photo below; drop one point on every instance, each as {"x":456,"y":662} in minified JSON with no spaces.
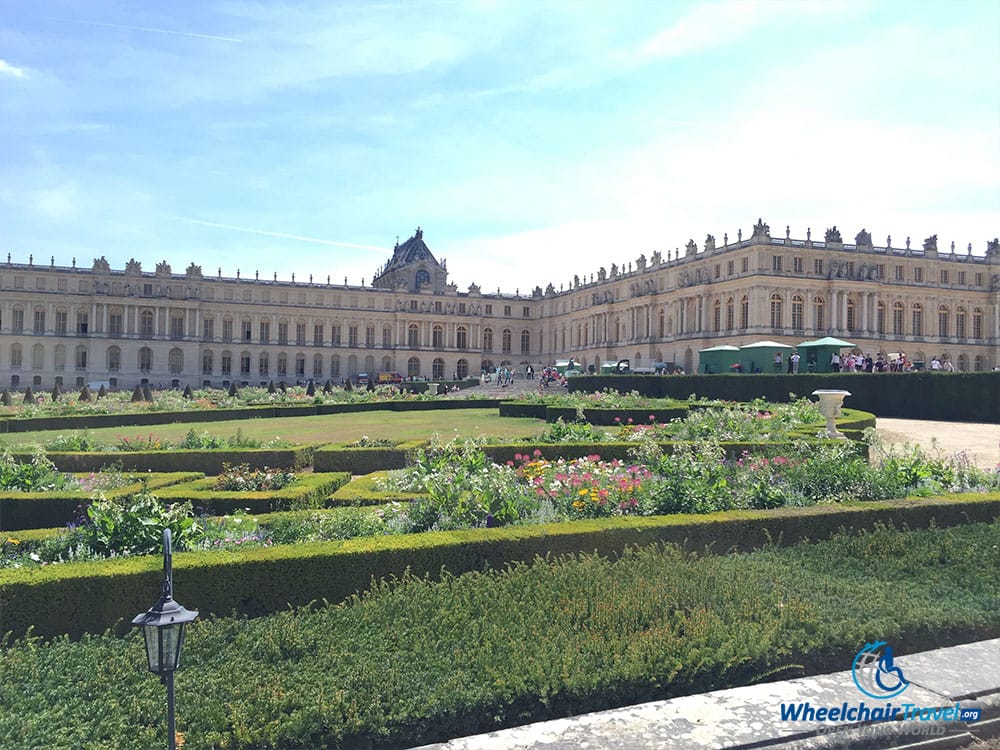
{"x":82,"y":323}
{"x":462,"y":337}
{"x":413,"y":336}
{"x":370,"y":336}
{"x":386,"y":337}
{"x":227,"y":364}
{"x":851,"y":315}
{"x":60,"y":322}
{"x":880,"y":317}
{"x":37,"y":357}
{"x":245,"y":364}
{"x":412,"y":367}
{"x":300,"y":365}
{"x":207,"y":329}
{"x":282,"y":332}
{"x":81,"y":357}
{"x":39,"y":320}
{"x":175,"y":361}
{"x":335,"y":335}
{"x":335,"y":366}
{"x":730,"y":316}
{"x":246,"y":329}
{"x":265,"y":331}
{"x":745,"y":312}
{"x":797,"y":306}
{"x":263,"y":364}
{"x":437,"y":368}
{"x":506,"y":340}
{"x":487,"y":339}
{"x":206,"y":363}
{"x":775,"y":262}
{"x":437,"y":337}
{"x":227,"y":330}
{"x":60,"y":357}
{"x":318,"y":334}
{"x":775,"y":311}
{"x":282,"y":365}
{"x":317,"y":366}
{"x":115,"y":325}
{"x":177,"y":327}
{"x":943,"y":321}
{"x":352,"y":335}
{"x":146,"y":324}
{"x":897,"y":319}
{"x":15,"y":356}
{"x":525,"y":341}
{"x":17,"y":320}
{"x":977,"y":323}
{"x":114,"y":359}
{"x":300,"y":334}
{"x":145,"y":359}
{"x":960,"y":322}
{"x":918,"y":320}
{"x":716,"y":316}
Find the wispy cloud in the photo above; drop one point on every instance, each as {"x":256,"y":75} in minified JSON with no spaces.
{"x":283,"y":235}
{"x":149,"y":29}
{"x":7,"y":69}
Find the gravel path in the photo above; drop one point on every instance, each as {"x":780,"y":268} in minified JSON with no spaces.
{"x":980,"y":441}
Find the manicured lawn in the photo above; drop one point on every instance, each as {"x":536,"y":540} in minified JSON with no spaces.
{"x":333,"y":428}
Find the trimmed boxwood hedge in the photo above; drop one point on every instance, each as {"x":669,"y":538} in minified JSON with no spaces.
{"x":38,"y":510}
{"x":204,"y":460}
{"x":307,"y":491}
{"x":956,"y":396}
{"x":105,"y":594}
{"x":365,"y":460}
{"x":362,"y":491}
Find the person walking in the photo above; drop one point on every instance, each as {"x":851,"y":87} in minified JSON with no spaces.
{"x":793,"y":362}
{"x":835,"y":362}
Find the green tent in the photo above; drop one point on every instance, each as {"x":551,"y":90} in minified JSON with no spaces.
{"x":816,"y":354}
{"x":718,"y":359}
{"x":759,"y":356}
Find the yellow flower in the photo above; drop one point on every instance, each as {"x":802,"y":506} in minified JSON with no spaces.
{"x":11,"y":540}
{"x":584,"y":492}
{"x":579,"y":505}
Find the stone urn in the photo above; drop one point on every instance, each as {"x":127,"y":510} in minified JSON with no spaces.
{"x":830,"y":405}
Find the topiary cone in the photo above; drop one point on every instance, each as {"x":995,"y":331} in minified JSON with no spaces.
{"x":188,"y":393}
{"x":311,"y":389}
{"x":147,"y":393}
{"x":84,"y":394}
{"x":29,"y":396}
{"x":271,"y":389}
{"x":233,"y":391}
{"x":102,"y":392}
{"x":5,"y":398}
{"x":136,"y":394}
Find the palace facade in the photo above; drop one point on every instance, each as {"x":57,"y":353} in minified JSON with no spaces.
{"x":73,"y":325}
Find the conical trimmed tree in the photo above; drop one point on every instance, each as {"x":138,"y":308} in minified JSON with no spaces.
{"x":84,"y":395}
{"x":136,"y":394}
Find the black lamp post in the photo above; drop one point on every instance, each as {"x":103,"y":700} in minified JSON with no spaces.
{"x":163,"y":630}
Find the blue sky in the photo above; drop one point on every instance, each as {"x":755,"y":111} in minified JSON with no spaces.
{"x":531,"y":140}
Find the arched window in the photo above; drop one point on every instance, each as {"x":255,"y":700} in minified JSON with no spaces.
{"x":486,"y":365}
{"x":245,"y":364}
{"x":717,"y":316}
{"x":437,"y":337}
{"x":60,"y":357}
{"x":282,"y":365}
{"x":246,"y":329}
{"x":263,"y":364}
{"x":977,"y":323}
{"x":206,"y":363}
{"x":386,"y":337}
{"x":487,"y":339}
{"x":413,"y":336}
{"x":421,"y":278}
{"x":963,"y":362}
{"x":880,"y":317}
{"x":462,"y":369}
{"x":960,"y":331}
{"x":775,"y":311}
{"x":525,"y":341}
{"x":745,"y":312}
{"x":81,"y":357}
{"x":506,"y":340}
{"x":146,"y":323}
{"x":300,"y":365}
{"x":176,"y":325}
{"x":943,"y":321}
{"x":335,"y":366}
{"x":798,"y":304}
{"x":15,"y":356}
{"x":437,"y":369}
{"x":227,"y":364}
{"x":918,"y":320}
{"x":39,"y":321}
{"x":175,"y":361}
{"x":897,"y":319}
{"x":851,"y":315}
{"x":730,"y":316}
{"x":386,"y":364}
{"x":412,"y":367}
{"x":145,"y":360}
{"x":462,"y":337}
{"x":317,"y":366}
{"x":980,"y":363}
{"x":114,"y":359}
{"x":370,"y":364}
{"x":17,"y":319}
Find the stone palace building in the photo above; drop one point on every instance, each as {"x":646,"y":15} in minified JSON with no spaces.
{"x":75,"y":325}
